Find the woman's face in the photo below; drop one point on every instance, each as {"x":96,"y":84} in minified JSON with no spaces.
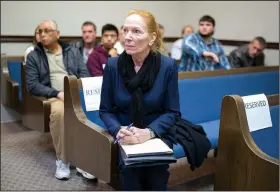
{"x":136,"y":36}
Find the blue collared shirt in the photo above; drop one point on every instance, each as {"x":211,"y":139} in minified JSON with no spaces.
{"x":193,"y":59}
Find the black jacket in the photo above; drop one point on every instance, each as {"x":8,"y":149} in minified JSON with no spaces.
{"x":37,"y":69}
{"x":192,"y":138}
{"x":241,"y":58}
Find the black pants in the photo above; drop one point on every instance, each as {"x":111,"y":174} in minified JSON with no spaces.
{"x":154,"y":178}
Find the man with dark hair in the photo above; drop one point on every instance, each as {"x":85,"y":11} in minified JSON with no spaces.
{"x":249,"y":55}
{"x":201,"y":51}
{"x":98,"y":58}
{"x":88,"y":42}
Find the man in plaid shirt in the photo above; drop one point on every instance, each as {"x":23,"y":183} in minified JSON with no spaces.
{"x":201,"y":51}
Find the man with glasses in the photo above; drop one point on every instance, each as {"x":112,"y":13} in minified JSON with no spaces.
{"x":249,"y":55}
{"x":46,"y":67}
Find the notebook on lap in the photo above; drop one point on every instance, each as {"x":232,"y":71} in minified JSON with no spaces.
{"x":152,"y":152}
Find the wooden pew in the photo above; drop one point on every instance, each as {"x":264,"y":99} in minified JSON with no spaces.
{"x":241,"y":164}
{"x":35,"y":110}
{"x":90,"y":133}
{"x":80,"y":133}
{"x":9,"y":88}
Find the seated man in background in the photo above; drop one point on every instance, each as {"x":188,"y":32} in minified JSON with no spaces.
{"x":98,"y":58}
{"x":88,"y":42}
{"x":201,"y":51}
{"x":120,"y":43}
{"x":176,"y":50}
{"x":46,"y":67}
{"x":249,"y":55}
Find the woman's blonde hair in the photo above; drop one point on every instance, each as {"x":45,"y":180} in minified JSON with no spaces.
{"x":34,"y":40}
{"x":187,"y":26}
{"x":153,"y":27}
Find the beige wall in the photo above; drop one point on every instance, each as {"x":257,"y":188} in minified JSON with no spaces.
{"x":21,"y":17}
{"x":239,"y":20}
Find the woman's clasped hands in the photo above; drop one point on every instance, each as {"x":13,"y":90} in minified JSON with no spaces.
{"x":133,"y":135}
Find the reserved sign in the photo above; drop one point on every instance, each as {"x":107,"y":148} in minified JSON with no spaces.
{"x":92,"y":92}
{"x":257,"y":112}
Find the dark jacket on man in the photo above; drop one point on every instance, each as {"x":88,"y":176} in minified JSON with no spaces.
{"x":193,"y":140}
{"x":240,"y":58}
{"x":38,"y":74}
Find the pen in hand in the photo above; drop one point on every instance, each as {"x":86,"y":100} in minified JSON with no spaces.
{"x":118,"y":139}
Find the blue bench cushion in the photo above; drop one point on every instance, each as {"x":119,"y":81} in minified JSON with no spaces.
{"x":201,"y":98}
{"x":268,"y":139}
{"x":14,"y":68}
{"x":93,"y":116}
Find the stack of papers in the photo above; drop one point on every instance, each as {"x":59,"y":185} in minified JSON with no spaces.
{"x":152,"y":152}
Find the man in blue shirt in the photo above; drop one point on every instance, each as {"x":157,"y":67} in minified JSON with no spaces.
{"x":201,"y":51}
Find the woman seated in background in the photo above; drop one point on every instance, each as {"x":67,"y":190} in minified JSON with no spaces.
{"x":176,"y":50}
{"x":140,"y":87}
{"x":36,"y":39}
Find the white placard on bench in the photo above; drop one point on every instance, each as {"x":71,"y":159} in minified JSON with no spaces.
{"x":257,"y":111}
{"x":92,"y":92}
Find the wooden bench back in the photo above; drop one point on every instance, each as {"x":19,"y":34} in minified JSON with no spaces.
{"x":200,"y":74}
{"x":4,"y":76}
{"x":240,"y":164}
{"x":9,"y":88}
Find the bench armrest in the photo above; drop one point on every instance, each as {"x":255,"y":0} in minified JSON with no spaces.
{"x":40,"y":99}
{"x":87,"y":145}
{"x":241,"y":165}
{"x":36,"y":112}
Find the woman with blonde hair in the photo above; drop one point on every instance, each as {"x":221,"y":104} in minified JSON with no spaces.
{"x":36,"y":39}
{"x":140,"y":87}
{"x":176,"y":50}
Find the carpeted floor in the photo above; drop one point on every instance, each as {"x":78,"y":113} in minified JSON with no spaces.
{"x":28,"y":163}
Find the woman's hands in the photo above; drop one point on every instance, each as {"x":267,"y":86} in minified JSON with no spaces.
{"x":133,"y":135}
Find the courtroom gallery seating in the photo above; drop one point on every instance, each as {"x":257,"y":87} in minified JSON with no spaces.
{"x":247,"y":160}
{"x":201,"y":95}
{"x":35,"y":111}
{"x":11,"y":85}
